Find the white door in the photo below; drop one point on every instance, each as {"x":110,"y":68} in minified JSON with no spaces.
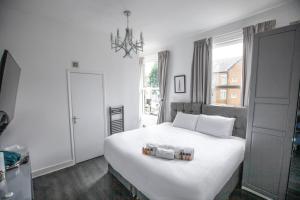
{"x":88,"y":117}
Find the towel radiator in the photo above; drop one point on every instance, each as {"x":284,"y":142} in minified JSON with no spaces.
{"x":116,"y":119}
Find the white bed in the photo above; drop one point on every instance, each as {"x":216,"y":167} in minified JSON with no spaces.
{"x":215,"y":161}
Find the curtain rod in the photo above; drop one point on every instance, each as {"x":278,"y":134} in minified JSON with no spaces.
{"x":239,"y":31}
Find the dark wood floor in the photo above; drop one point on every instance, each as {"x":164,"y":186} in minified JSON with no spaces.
{"x":91,"y":181}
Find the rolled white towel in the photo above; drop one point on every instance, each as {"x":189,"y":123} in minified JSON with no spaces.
{"x":169,"y":151}
{"x":165,"y":153}
{"x":188,"y":153}
{"x":165,"y":146}
{"x":152,"y":148}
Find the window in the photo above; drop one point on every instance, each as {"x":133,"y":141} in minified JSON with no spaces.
{"x":234,"y":79}
{"x":233,"y":95}
{"x":223,"y":94}
{"x":227,"y":69}
{"x":150,"y":92}
{"x":223,"y":79}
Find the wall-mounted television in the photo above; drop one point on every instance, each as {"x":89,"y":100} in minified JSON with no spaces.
{"x":9,"y":81}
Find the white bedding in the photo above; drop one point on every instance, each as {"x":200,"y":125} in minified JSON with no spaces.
{"x":215,"y":161}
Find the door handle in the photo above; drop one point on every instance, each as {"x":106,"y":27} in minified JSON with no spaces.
{"x":74,"y":119}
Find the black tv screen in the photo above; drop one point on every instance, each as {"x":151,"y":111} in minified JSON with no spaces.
{"x":9,"y":81}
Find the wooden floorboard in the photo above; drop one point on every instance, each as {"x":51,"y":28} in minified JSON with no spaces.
{"x":90,"y":180}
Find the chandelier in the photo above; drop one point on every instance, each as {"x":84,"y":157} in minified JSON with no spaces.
{"x":127,"y":44}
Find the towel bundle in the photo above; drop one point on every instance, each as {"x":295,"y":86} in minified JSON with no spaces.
{"x":169,"y":152}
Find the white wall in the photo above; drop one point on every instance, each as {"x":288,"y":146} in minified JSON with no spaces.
{"x":44,"y":50}
{"x":181,"y":51}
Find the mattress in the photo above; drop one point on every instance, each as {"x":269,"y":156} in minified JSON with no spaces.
{"x":215,"y":160}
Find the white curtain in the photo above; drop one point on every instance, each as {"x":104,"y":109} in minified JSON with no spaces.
{"x":248,"y":38}
{"x":163,"y":61}
{"x":141,"y":85}
{"x":201,"y":71}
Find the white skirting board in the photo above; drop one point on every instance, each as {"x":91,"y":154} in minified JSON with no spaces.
{"x":52,"y":168}
{"x":256,"y":193}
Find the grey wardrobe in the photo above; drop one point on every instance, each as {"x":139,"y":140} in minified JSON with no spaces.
{"x":272,"y":110}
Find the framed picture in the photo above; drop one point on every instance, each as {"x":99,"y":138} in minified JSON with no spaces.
{"x":179,"y":84}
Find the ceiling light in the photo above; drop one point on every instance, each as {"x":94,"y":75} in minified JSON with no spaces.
{"x":128,"y":44}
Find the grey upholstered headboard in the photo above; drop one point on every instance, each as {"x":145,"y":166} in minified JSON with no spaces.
{"x":240,"y":113}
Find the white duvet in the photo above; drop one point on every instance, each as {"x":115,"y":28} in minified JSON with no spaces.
{"x":215,"y":161}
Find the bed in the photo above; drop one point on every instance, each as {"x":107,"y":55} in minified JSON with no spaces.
{"x":213,"y":173}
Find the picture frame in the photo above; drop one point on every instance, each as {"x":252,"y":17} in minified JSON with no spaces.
{"x":179,"y":84}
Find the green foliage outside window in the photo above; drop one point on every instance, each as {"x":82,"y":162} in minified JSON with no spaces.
{"x":153,"y":76}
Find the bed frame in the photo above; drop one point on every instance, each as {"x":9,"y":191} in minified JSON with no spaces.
{"x":239,"y":130}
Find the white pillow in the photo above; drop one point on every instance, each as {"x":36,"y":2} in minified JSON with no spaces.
{"x":187,"y":121}
{"x":215,"y":125}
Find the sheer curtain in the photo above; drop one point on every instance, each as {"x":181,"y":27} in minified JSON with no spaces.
{"x":248,"y":38}
{"x":141,"y":84}
{"x":163,"y":61}
{"x":201,"y":71}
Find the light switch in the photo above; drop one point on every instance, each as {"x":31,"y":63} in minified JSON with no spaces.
{"x":75,"y":64}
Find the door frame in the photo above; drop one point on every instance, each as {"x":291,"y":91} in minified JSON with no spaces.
{"x":69,"y":87}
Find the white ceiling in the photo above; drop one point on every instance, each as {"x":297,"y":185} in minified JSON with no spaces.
{"x":160,"y":20}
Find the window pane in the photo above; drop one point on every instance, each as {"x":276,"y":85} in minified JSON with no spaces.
{"x":151,"y":74}
{"x":150,"y":93}
{"x":151,"y":101}
{"x":223,"y":94}
{"x":227,"y":73}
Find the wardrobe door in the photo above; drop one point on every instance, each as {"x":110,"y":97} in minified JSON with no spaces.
{"x":272,"y":109}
